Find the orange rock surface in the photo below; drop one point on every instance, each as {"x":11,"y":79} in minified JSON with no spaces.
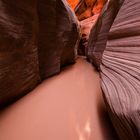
{"x":88,"y":8}
{"x":73,"y":3}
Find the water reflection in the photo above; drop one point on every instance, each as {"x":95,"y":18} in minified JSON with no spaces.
{"x":85,"y":132}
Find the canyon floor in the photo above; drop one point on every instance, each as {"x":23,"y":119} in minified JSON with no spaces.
{"x":68,"y":106}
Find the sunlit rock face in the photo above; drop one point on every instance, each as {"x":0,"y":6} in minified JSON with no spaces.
{"x":58,"y":36}
{"x":73,"y":3}
{"x":88,"y":8}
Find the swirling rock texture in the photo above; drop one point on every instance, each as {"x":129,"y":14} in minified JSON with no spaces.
{"x":19,"y":72}
{"x":114,"y":49}
{"x":58,"y":36}
{"x":120,"y":71}
{"x":99,"y":33}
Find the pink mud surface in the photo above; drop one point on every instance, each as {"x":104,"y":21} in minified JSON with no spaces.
{"x":68,"y":106}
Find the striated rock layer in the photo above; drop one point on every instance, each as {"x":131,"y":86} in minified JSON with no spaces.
{"x":87,"y":12}
{"x":47,"y":45}
{"x":86,"y":26}
{"x":36,"y":40}
{"x":120,"y":71}
{"x":114,"y":49}
{"x":58,"y":36}
{"x":19,"y":72}
{"x":68,"y":33}
{"x":99,"y":33}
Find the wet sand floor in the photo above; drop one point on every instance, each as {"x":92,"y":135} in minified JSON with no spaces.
{"x":65,"y":107}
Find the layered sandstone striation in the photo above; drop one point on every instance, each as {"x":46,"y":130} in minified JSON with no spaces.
{"x":35,"y":44}
{"x":58,"y":36}
{"x":120,"y":71}
{"x":99,"y":33}
{"x":19,"y":71}
{"x":114,"y":49}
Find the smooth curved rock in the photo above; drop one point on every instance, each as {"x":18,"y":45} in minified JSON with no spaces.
{"x":19,"y":71}
{"x":68,"y":33}
{"x":58,"y":36}
{"x":36,"y":38}
{"x":99,"y":33}
{"x":47,"y":46}
{"x":120,"y":71}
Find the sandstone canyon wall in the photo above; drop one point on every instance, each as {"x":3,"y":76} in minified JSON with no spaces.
{"x":114,"y":49}
{"x":35,"y":44}
{"x":19,"y":71}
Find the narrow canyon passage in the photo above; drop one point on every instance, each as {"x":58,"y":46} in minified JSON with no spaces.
{"x":70,"y":70}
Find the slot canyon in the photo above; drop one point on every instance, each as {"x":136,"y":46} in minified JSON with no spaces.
{"x":70,"y":70}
